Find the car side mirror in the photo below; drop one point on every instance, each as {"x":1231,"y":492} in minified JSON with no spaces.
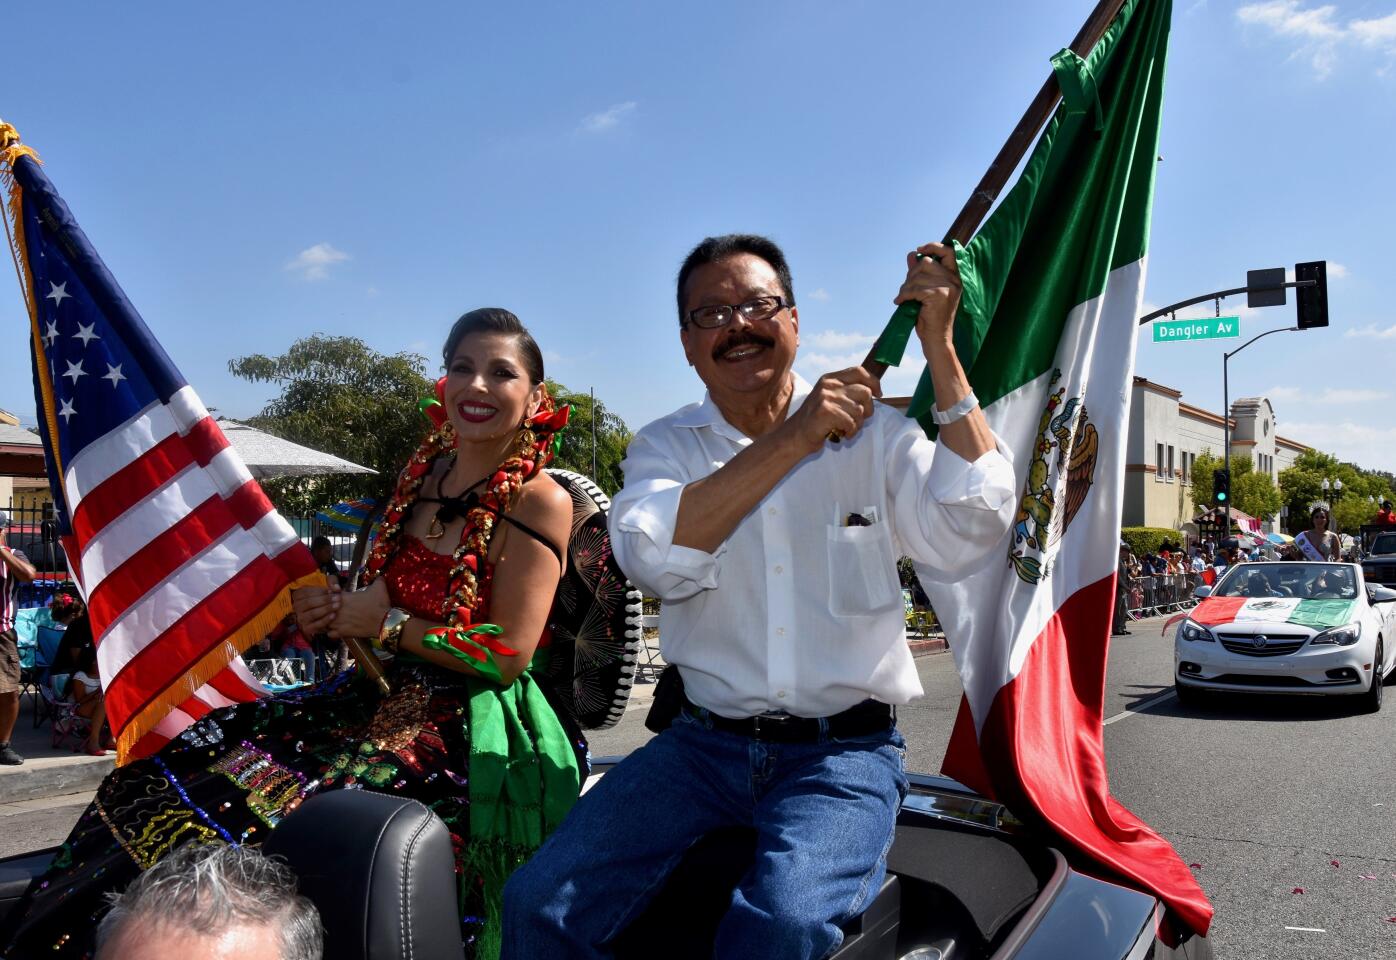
{"x":1202,"y":593}
{"x":1381,"y":595}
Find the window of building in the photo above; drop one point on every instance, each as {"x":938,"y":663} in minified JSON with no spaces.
{"x":1169,"y":475}
{"x":1158,"y":461}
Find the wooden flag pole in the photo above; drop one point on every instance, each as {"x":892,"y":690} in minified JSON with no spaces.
{"x":1003,"y":165}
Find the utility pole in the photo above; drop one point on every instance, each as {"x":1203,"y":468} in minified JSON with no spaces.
{"x":1264,"y":288}
{"x":1226,"y":411}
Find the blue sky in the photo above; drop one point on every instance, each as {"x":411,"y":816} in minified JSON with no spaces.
{"x":259,"y":172}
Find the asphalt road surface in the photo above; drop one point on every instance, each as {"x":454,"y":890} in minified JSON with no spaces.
{"x":1262,"y":796}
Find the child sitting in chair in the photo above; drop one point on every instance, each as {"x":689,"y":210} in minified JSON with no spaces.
{"x":85,"y":690}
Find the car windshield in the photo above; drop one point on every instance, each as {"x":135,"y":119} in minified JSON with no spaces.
{"x":1384,"y":543}
{"x":1306,"y":581}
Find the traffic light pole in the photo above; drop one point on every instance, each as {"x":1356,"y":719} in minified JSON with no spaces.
{"x":1226,"y":416}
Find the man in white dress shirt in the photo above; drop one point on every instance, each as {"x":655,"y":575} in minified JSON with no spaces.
{"x":773,"y":548}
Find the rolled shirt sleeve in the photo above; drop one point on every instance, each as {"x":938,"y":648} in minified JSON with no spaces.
{"x":948,"y":513}
{"x":642,"y":520}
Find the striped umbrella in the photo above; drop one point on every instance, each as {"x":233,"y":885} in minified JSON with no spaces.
{"x":347,"y":515}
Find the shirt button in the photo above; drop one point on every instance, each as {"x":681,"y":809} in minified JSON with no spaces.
{"x":780,"y":694}
{"x":771,"y":511}
{"x":779,"y":569}
{"x":780,"y":631}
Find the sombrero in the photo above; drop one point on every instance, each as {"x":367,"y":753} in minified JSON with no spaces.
{"x":595,"y":621}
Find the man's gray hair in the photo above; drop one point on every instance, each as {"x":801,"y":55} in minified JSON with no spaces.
{"x":209,"y":887}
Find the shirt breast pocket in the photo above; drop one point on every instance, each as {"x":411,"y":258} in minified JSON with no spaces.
{"x":862,"y":571}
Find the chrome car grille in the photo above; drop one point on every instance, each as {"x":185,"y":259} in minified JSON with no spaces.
{"x":1245,"y":645}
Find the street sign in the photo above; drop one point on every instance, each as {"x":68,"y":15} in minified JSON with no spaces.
{"x":1202,"y":328}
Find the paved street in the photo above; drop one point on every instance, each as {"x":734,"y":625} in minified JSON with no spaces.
{"x":1262,"y":795}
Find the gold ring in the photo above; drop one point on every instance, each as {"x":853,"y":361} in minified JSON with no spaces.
{"x":834,"y":436}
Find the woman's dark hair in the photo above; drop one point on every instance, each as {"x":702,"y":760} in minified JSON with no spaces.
{"x":713,"y":249}
{"x":496,"y":320}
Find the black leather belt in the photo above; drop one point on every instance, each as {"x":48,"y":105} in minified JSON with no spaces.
{"x":860,"y":720}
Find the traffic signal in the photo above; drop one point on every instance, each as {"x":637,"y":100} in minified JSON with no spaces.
{"x":1312,"y":302}
{"x":1221,"y":487}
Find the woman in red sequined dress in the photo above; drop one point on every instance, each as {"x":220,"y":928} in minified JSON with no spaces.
{"x":460,"y":584}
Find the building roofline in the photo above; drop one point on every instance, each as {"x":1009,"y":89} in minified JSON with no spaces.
{"x":1197,"y":413}
{"x":1292,"y":444}
{"x":1144,"y":383}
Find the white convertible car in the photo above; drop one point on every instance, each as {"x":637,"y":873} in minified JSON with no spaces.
{"x":1288,"y":628}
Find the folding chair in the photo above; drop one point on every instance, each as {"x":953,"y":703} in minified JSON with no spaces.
{"x":45,"y":650}
{"x":652,"y":663}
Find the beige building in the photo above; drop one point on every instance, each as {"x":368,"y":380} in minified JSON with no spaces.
{"x":23,"y":482}
{"x":1165,"y":438}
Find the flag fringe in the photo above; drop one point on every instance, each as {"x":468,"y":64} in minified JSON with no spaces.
{"x":210,"y":665}
{"x":10,"y":152}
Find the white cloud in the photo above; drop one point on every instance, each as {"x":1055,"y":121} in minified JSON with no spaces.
{"x":1315,"y":33}
{"x":1373,"y":332}
{"x":1328,"y":396}
{"x":821,"y":295}
{"x":609,"y":118}
{"x":1373,"y":448}
{"x":1337,"y":271}
{"x":1379,"y":33}
{"x":896,"y":382}
{"x":313,"y":263}
{"x":836,"y":341}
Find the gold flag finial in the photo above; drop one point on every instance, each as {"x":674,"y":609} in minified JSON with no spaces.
{"x":10,"y":147}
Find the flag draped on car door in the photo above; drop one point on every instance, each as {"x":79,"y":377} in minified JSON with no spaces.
{"x":1047,"y":323}
{"x":182,"y":558}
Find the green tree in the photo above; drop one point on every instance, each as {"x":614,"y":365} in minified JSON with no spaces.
{"x":340,"y":396}
{"x":1301,"y":486}
{"x":1201,"y":483}
{"x":612,"y":437}
{"x":1256,"y":494}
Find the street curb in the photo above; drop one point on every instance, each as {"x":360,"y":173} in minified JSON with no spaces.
{"x":922,"y":648}
{"x":51,"y":776}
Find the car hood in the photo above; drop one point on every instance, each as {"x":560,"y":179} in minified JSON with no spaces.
{"x":1291,"y":615}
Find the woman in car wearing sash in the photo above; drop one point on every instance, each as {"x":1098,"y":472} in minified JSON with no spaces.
{"x":460,"y":582}
{"x":1319,"y":543}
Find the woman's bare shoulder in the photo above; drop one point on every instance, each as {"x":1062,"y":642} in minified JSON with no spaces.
{"x":543,"y":503}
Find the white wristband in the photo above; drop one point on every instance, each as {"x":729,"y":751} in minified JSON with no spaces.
{"x":968,"y":403}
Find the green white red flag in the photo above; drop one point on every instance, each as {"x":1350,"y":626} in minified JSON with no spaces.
{"x":1047,"y":325}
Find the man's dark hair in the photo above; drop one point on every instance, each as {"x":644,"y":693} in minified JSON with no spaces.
{"x":713,"y":249}
{"x":496,"y":320}
{"x":319,"y":542}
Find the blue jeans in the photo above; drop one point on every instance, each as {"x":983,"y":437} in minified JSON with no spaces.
{"x":823,"y":812}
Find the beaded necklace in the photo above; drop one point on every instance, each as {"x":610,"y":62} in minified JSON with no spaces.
{"x":538,"y":440}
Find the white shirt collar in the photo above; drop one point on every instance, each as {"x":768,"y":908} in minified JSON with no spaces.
{"x":706,"y":414}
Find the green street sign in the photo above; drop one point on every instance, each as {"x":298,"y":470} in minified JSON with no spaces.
{"x":1203,"y":328}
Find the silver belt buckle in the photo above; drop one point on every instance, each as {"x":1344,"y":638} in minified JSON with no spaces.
{"x":774,"y":719}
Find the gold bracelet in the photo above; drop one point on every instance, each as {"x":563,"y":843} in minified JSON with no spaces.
{"x":390,"y":633}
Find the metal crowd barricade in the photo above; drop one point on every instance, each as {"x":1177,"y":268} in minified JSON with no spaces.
{"x":1154,"y":594}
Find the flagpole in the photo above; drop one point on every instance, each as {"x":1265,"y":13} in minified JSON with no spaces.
{"x":1017,"y":144}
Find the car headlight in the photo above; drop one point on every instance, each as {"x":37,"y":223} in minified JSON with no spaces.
{"x":1340,"y":636}
{"x":1191,"y":631}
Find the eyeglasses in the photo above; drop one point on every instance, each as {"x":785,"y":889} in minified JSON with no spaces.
{"x":758,"y":308}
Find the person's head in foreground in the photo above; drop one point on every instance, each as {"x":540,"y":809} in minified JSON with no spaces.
{"x":212,"y":902}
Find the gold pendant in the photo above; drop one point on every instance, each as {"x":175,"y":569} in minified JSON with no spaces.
{"x":436,"y":530}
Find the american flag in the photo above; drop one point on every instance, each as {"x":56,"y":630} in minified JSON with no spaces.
{"x":182,"y":558}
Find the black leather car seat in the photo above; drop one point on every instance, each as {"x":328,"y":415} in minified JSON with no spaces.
{"x":381,"y":872}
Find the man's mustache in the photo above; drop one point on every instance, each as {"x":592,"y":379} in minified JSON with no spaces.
{"x":741,"y":340}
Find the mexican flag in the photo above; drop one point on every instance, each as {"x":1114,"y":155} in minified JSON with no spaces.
{"x":1047,"y":324}
{"x":1314,"y":614}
